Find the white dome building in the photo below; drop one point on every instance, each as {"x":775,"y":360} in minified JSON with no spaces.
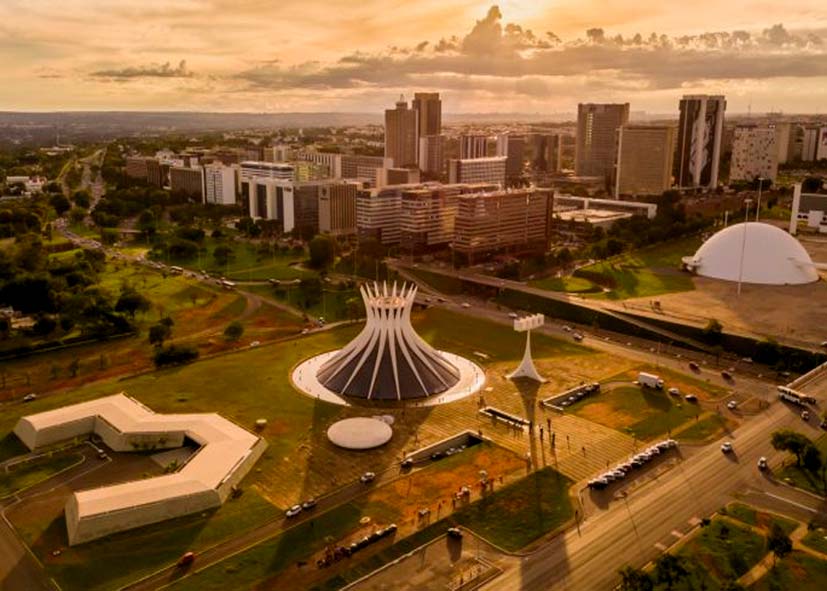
{"x":770,"y":256}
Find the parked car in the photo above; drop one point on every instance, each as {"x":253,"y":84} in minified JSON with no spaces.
{"x":726,"y":447}
{"x":513,"y":315}
{"x":566,"y":328}
{"x":732,"y":405}
{"x":406,"y":463}
{"x":762,"y":463}
{"x":30,"y":397}
{"x":726,"y":375}
{"x":805,"y":415}
{"x":455,"y":533}
{"x":293,"y":511}
{"x":690,"y":398}
{"x":465,"y":305}
{"x":674,"y":392}
{"x":577,"y":336}
{"x":367,"y":477}
{"x":309,"y":504}
{"x":694,"y":366}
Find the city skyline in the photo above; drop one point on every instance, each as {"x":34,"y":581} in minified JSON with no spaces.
{"x":510,"y":57}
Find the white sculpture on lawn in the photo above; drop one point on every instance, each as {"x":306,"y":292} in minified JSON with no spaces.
{"x":526,"y":368}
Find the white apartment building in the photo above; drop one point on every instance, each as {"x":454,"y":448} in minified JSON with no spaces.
{"x":266,"y":170}
{"x":219,"y":184}
{"x":477,"y":170}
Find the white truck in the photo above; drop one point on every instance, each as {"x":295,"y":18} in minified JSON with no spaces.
{"x":650,"y":380}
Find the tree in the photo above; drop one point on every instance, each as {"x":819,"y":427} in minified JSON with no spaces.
{"x":792,"y":442}
{"x":77,"y":215}
{"x":82,"y":199}
{"x":670,"y":569}
{"x":223,"y":254}
{"x":779,"y":543}
{"x":132,"y":302}
{"x":632,"y":579}
{"x":174,"y":355}
{"x":322,"y":251}
{"x":811,"y":459}
{"x":234,"y":331}
{"x":74,"y":367}
{"x":713,"y":331}
{"x":159,"y":332}
{"x":60,"y":204}
{"x":147,"y":223}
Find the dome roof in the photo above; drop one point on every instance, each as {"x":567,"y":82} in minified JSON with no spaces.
{"x":771,"y":256}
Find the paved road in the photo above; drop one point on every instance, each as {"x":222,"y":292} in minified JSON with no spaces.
{"x":637,"y":529}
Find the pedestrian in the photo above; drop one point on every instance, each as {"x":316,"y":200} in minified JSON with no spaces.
{"x":584,"y":450}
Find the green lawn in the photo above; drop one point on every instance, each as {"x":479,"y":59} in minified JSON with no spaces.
{"x":247,"y":263}
{"x":646,"y":272}
{"x":816,"y":539}
{"x":520,"y":513}
{"x":442,"y":283}
{"x":30,"y":473}
{"x":708,"y":427}
{"x":761,"y":519}
{"x":797,"y":572}
{"x":802,"y":478}
{"x":127,"y":556}
{"x":722,"y":551}
{"x":569,"y":284}
{"x":642,"y":412}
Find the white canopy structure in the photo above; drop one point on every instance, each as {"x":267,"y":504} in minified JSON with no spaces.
{"x":753,"y":252}
{"x":226,"y":453}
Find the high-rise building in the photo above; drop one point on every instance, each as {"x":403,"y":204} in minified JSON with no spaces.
{"x":473,"y":146}
{"x":428,"y":108}
{"x":809,"y":144}
{"x":304,"y":171}
{"x":188,"y":181}
{"x":784,"y":140}
{"x":432,"y":155}
{"x":513,"y":148}
{"x":365,"y":168}
{"x":514,"y":220}
{"x":280,"y":153}
{"x":754,"y":153}
{"x":547,"y":152}
{"x":157,"y":173}
{"x":377,"y":213}
{"x":700,"y":130}
{"x":645,"y":155}
{"x":428,"y":214}
{"x":478,"y":170}
{"x":271,"y":199}
{"x":401,"y":135}
{"x":331,"y":160}
{"x":397,"y":176}
{"x":136,"y":167}
{"x":219,"y":184}
{"x":337,"y":208}
{"x":596,"y":152}
{"x":266,"y":170}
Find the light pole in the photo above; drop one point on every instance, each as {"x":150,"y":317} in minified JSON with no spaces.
{"x":758,"y":207}
{"x":747,"y":202}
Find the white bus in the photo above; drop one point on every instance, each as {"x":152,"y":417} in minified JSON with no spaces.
{"x":790,"y":395}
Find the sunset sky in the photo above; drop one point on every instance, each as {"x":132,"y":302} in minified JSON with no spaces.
{"x":342,"y":55}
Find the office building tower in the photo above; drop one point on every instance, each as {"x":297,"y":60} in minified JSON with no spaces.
{"x":809,"y":143}
{"x":428,"y":109}
{"x":514,"y":220}
{"x":365,"y":168}
{"x":378,"y":214}
{"x":428,"y":214}
{"x":700,"y":130}
{"x":280,"y":153}
{"x":271,"y":199}
{"x":513,"y":148}
{"x":219,"y":184}
{"x":596,"y":151}
{"x":821,"y":147}
{"x":332,"y":161}
{"x":432,"y":155}
{"x":473,"y":146}
{"x":396,"y":176}
{"x":266,"y":170}
{"x":784,"y":140}
{"x":401,"y":135}
{"x":478,"y":170}
{"x":337,"y":208}
{"x":754,"y":153}
{"x":187,"y":181}
{"x":304,"y":171}
{"x":645,"y":155}
{"x":157,"y":173}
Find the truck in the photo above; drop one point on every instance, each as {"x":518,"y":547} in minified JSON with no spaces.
{"x":650,"y":380}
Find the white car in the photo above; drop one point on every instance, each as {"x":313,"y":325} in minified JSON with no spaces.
{"x":732,"y":405}
{"x":367,"y":477}
{"x":30,"y":397}
{"x":465,"y":305}
{"x":293,"y":511}
{"x":566,"y":328}
{"x":762,"y":463}
{"x":805,"y":415}
{"x":726,"y":447}
{"x":512,"y":315}
{"x":674,"y":392}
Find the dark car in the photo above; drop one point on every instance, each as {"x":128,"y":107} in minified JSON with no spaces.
{"x":187,"y":559}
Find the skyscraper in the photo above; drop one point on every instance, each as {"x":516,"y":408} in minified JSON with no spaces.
{"x":428,"y":109}
{"x":597,"y":126}
{"x":432,"y":155}
{"x":473,"y":146}
{"x":513,"y":148}
{"x":401,"y":135}
{"x":645,"y":155}
{"x":477,"y":170}
{"x":700,"y":129}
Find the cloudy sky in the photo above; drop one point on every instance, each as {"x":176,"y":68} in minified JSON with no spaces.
{"x":359,"y":55}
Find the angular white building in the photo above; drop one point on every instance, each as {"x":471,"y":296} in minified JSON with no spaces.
{"x":226,"y":453}
{"x":388,"y":360}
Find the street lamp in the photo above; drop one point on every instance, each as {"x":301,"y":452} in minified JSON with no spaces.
{"x":758,"y":207}
{"x":747,"y":202}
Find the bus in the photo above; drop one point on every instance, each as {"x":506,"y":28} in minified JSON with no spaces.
{"x":790,"y":395}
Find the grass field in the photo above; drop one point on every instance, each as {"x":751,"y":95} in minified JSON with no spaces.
{"x":646,"y":272}
{"x":760,"y":519}
{"x":803,"y":478}
{"x":642,"y":412}
{"x":798,"y":571}
{"x":721,"y":552}
{"x":709,"y":426}
{"x":441,"y":283}
{"x":816,"y":539}
{"x":571,"y":284}
{"x":30,"y":473}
